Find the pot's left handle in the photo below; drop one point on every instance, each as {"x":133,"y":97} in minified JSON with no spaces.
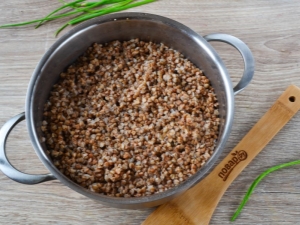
{"x":246,"y":54}
{"x":5,"y":165}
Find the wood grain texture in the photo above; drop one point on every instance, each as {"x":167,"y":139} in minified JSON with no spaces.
{"x":270,"y":29}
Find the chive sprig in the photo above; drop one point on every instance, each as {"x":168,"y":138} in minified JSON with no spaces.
{"x":81,"y":10}
{"x":257,"y":181}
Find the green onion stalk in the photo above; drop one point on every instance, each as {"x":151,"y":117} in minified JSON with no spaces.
{"x":256,"y":182}
{"x":81,"y":10}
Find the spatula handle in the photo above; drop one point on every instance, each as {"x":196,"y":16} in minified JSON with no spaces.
{"x":197,"y":205}
{"x":286,"y":106}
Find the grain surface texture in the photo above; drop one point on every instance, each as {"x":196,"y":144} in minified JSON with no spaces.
{"x":271,"y":29}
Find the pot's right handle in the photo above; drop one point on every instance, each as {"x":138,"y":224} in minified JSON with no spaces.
{"x":5,"y":165}
{"x":246,"y":54}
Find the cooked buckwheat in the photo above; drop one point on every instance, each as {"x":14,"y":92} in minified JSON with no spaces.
{"x":131,"y":119}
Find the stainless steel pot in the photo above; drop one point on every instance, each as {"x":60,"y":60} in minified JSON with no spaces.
{"x":125,"y":26}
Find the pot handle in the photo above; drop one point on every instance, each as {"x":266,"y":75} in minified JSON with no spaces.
{"x":246,"y":54}
{"x":5,"y":165}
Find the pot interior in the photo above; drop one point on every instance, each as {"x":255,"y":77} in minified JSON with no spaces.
{"x":126,"y":26}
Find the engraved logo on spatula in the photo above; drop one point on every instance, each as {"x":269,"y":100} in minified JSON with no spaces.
{"x":238,"y":156}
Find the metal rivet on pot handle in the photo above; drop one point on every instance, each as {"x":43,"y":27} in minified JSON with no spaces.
{"x":246,"y":54}
{"x":5,"y":165}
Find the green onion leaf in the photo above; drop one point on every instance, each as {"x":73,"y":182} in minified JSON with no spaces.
{"x":59,"y":9}
{"x":100,"y":12}
{"x":86,"y":11}
{"x":114,"y":8}
{"x":256,"y":182}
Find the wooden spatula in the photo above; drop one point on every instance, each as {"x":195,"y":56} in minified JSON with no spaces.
{"x":197,"y":205}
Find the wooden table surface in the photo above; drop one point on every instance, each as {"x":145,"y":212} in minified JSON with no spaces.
{"x":271,"y":29}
